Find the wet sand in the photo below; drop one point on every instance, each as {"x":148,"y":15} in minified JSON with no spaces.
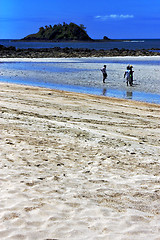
{"x":77,"y":166}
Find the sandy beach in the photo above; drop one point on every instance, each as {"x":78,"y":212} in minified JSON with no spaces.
{"x":77,"y":167}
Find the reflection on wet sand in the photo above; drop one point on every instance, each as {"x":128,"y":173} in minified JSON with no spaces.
{"x":104,"y":91}
{"x":129,"y":94}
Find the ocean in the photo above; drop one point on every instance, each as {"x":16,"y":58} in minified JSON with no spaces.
{"x":133,"y":44}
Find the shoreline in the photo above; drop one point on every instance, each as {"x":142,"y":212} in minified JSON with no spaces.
{"x":105,"y":93}
{"x":77,"y":165}
{"x":79,"y":94}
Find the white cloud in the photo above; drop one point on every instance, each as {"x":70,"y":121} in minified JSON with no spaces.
{"x":114,"y":17}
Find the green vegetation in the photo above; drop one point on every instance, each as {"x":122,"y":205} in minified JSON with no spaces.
{"x":60,"y":32}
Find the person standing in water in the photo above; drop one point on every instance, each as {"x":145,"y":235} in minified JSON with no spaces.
{"x":104,"y":72}
{"x":127,"y":75}
{"x":131,"y":73}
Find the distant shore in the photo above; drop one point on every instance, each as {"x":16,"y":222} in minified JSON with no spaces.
{"x":57,"y":52}
{"x":47,"y":40}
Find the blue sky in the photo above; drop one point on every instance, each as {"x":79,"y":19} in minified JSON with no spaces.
{"x":116,"y":19}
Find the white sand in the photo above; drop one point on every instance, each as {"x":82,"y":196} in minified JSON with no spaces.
{"x":144,"y":58}
{"x":77,"y":167}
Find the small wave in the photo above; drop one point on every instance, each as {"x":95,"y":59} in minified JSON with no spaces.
{"x":134,"y":41}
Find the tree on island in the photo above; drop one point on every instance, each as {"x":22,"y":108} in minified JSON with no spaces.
{"x":61,"y":32}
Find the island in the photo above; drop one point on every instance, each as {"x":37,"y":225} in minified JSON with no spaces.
{"x":60,"y":32}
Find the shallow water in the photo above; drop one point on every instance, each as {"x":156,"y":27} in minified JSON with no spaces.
{"x":83,"y":75}
{"x":137,"y":96}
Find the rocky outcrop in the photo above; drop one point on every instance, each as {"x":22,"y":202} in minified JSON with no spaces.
{"x":57,"y":52}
